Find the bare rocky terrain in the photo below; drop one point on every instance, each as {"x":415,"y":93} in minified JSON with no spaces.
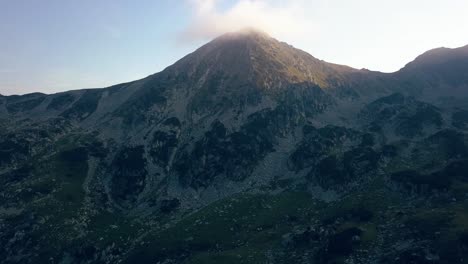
{"x":247,"y":150}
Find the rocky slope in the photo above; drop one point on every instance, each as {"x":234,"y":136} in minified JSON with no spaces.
{"x":245,"y":151}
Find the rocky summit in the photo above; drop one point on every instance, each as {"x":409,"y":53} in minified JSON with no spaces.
{"x":247,"y":150}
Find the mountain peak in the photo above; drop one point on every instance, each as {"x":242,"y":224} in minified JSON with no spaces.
{"x":439,"y":56}
{"x":254,"y":55}
{"x":248,"y":32}
{"x":249,"y":36}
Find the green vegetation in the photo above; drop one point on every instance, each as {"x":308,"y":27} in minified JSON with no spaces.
{"x":236,"y":228}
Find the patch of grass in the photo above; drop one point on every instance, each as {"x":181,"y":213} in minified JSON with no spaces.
{"x":428,"y":222}
{"x":57,"y":193}
{"x":362,"y":205}
{"x":106,"y":227}
{"x":215,"y":258}
{"x":460,"y":220}
{"x":459,"y":189}
{"x":245,"y":254}
{"x":246,"y":223}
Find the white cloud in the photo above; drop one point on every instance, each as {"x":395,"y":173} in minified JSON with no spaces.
{"x":282,"y":20}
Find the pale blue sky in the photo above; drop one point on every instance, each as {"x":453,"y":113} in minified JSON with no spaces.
{"x":55,"y":45}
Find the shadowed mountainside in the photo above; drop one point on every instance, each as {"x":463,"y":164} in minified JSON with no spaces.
{"x":247,"y":150}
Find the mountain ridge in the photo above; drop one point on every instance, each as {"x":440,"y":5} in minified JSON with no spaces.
{"x":245,"y":33}
{"x":253,"y":59}
{"x":245,"y":151}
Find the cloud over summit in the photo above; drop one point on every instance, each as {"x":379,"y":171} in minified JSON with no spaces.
{"x":281,"y":20}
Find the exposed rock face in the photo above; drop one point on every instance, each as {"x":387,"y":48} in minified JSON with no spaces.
{"x":245,"y":151}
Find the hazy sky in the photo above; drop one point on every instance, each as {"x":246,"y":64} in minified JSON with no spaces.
{"x":56,"y":45}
